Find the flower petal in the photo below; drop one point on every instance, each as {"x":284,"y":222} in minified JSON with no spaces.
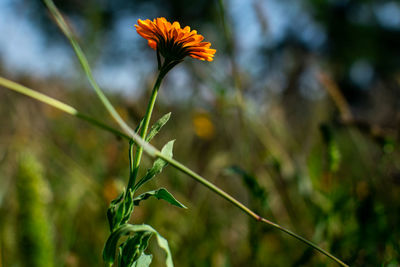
{"x":173,"y":41}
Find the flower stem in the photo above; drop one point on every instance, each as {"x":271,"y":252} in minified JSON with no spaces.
{"x":143,"y":131}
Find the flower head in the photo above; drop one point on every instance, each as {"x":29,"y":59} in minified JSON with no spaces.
{"x":173,"y":42}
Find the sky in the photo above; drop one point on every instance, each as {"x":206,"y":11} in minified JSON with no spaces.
{"x":24,"y":50}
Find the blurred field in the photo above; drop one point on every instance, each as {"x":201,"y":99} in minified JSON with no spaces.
{"x":297,"y":131}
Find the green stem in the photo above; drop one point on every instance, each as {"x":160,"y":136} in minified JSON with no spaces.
{"x":38,"y":96}
{"x":58,"y":105}
{"x":86,"y":67}
{"x":85,"y":64}
{"x":309,"y":243}
{"x":155,"y":153}
{"x":102,"y":125}
{"x":143,"y":130}
{"x":131,"y":168}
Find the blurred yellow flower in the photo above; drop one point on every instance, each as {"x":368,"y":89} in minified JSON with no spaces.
{"x":203,"y":126}
{"x":173,"y":42}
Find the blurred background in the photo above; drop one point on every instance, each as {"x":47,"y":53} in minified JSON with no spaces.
{"x":297,"y":117}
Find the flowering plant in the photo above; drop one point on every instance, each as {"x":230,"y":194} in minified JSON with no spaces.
{"x":172,"y":44}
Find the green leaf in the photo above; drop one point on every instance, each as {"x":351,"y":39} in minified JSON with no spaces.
{"x":157,"y":126}
{"x":158,"y":165}
{"x":161,"y":193}
{"x":128,"y":207}
{"x":120,"y":210}
{"x":112,"y":210}
{"x":143,"y":261}
{"x":126,"y":229}
{"x":137,"y":129}
{"x":133,"y":248}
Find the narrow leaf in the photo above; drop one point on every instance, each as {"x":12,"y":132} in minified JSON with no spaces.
{"x":112,"y":241}
{"x":137,"y":129}
{"x":158,"y":165}
{"x":161,"y":193}
{"x":128,"y":203}
{"x":157,"y":126}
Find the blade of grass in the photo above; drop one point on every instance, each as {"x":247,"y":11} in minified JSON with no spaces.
{"x":85,"y":64}
{"x":58,"y":105}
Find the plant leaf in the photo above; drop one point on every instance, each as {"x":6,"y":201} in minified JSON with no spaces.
{"x":157,"y":126}
{"x":161,"y":193}
{"x":158,"y":165}
{"x":137,"y":129}
{"x":126,"y":229}
{"x":120,"y":210}
{"x":143,"y":261}
{"x":133,"y":247}
{"x":112,"y":210}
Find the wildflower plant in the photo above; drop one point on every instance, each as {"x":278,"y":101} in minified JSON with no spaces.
{"x":174,"y":44}
{"x":127,"y":243}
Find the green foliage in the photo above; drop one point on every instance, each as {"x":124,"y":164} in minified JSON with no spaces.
{"x":136,"y":245}
{"x":120,"y":210}
{"x":157,"y":126}
{"x":158,"y":165}
{"x":161,"y":193}
{"x":133,"y":248}
{"x":131,"y":251}
{"x":34,"y":227}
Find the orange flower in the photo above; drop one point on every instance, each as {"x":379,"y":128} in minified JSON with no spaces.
{"x":173,"y":42}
